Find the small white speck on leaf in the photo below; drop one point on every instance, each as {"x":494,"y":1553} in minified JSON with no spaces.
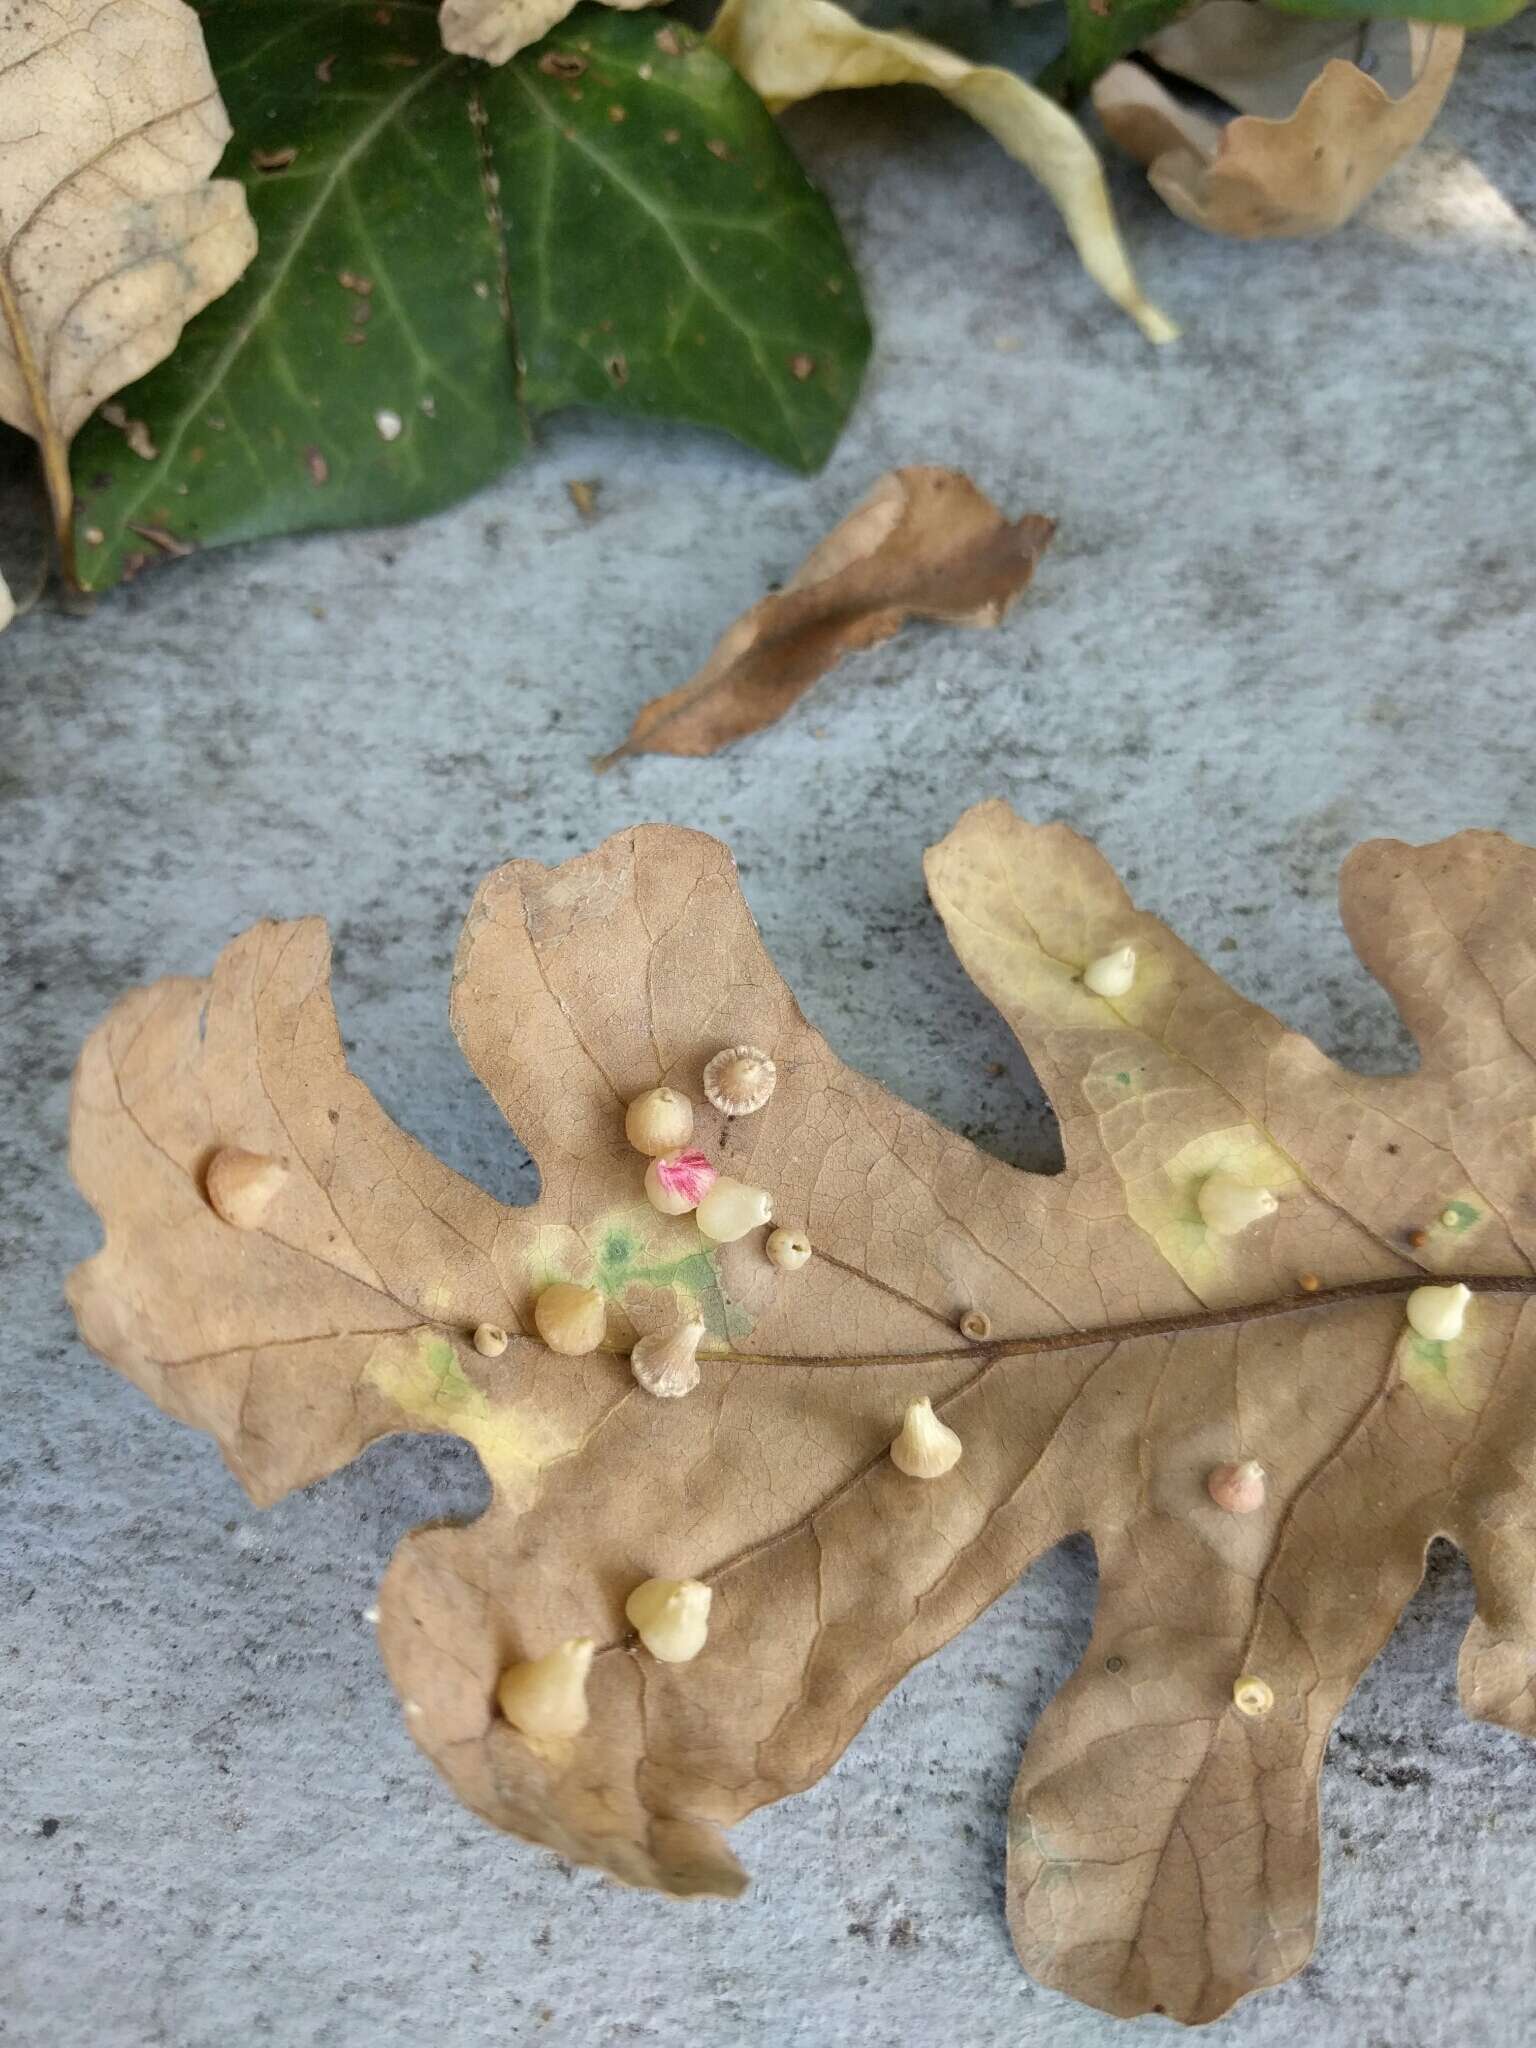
{"x":389,"y":424}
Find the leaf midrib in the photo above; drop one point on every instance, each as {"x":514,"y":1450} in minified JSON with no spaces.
{"x":1111,"y":1336}
{"x":993,"y":1348}
{"x":989,"y":1351}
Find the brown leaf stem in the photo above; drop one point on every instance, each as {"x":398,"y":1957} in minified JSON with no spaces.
{"x":51,"y":443}
{"x":1164,"y":1326}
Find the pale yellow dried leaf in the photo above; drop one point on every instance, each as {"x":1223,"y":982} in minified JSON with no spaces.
{"x":7,"y":605}
{"x":1316,"y":143}
{"x":1149,"y":123}
{"x":111,"y":234}
{"x":790,"y":50}
{"x":111,"y":238}
{"x":495,"y":30}
{"x":1163,"y":1847}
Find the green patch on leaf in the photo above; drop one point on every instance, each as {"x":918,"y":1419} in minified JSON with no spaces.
{"x":1459,"y":1216}
{"x":1432,"y":1355}
{"x":614,"y":1260}
{"x":450,"y":1389}
{"x":447,"y":251}
{"x":625,"y":1261}
{"x":696,"y":1278}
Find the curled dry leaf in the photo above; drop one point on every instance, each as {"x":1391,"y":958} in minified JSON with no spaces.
{"x":111,"y":234}
{"x":7,"y":605}
{"x":496,"y":30}
{"x":1163,"y":1844}
{"x":1261,"y":60}
{"x":1309,"y":145}
{"x":925,"y":543}
{"x":789,"y":50}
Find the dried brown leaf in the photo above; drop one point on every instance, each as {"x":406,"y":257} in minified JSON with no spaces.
{"x":1163,"y":1845}
{"x":925,"y":544}
{"x":1262,"y":61}
{"x":1310,"y":144}
{"x":583,"y":493}
{"x":111,"y":233}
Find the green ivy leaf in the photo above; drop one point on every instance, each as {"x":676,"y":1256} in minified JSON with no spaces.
{"x":448,"y":250}
{"x":1461,"y":13}
{"x":690,"y":271}
{"x":1099,"y":33}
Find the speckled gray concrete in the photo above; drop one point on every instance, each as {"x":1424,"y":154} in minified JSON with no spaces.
{"x":1290,"y":606}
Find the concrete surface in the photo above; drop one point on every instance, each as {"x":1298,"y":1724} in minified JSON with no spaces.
{"x":1290,"y":606}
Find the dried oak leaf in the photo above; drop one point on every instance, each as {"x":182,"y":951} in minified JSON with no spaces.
{"x":1163,"y":1847}
{"x":112,"y":235}
{"x":1316,"y":133}
{"x":924,"y":543}
{"x":495,"y":30}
